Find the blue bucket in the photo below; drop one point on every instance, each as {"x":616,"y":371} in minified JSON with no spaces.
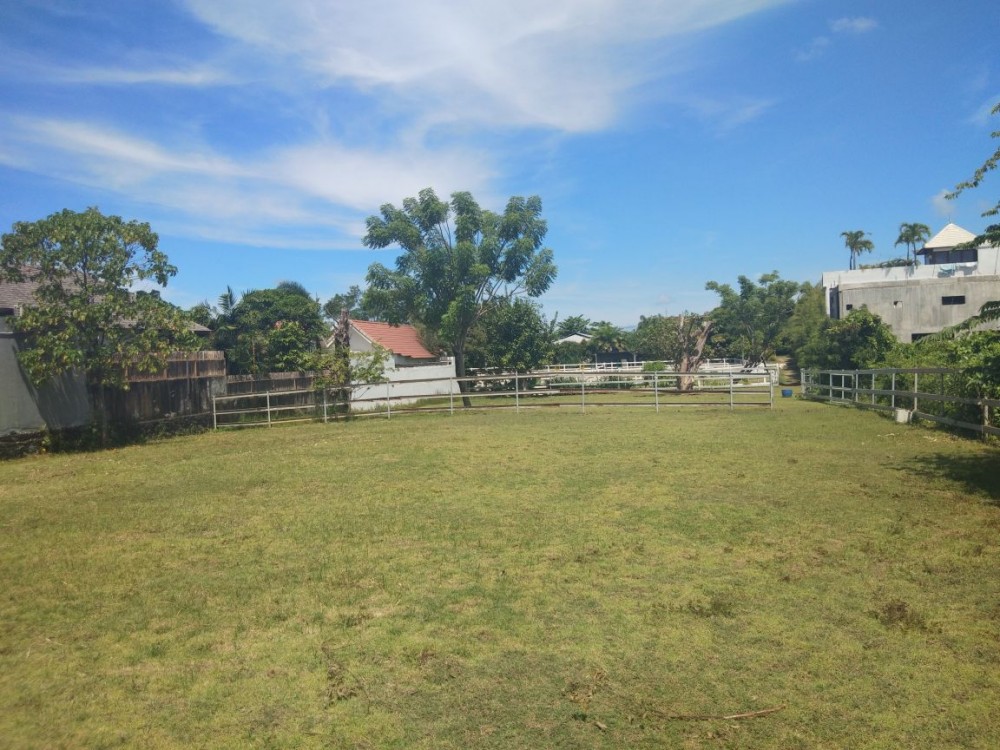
{"x":786,"y":392}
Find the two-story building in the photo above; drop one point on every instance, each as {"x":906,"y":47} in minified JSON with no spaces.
{"x":950,"y":285}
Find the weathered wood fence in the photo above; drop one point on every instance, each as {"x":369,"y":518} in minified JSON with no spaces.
{"x":941,"y":395}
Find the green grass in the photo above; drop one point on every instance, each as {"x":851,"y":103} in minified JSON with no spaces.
{"x":547,"y":579}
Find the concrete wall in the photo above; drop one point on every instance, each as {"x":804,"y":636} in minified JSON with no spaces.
{"x":27,"y":409}
{"x":916,"y":307}
{"x":407,"y":385}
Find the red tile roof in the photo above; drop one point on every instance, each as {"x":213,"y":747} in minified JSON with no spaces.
{"x":402,"y":339}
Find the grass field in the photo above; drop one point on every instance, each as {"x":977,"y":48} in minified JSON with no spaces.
{"x":619,"y":578}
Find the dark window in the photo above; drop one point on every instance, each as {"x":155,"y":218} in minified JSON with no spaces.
{"x":849,"y":307}
{"x":958,"y":299}
{"x":917,"y":336}
{"x":966,"y":255}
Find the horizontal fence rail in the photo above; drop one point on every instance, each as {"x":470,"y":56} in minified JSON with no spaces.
{"x":575,"y":389}
{"x":940,"y":395}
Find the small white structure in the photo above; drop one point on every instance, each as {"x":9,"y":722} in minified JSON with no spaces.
{"x":950,"y":286}
{"x":575,"y":338}
{"x":411,"y":374}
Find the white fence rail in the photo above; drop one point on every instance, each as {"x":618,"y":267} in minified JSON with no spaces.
{"x":576,"y":389}
{"x":937,"y":395}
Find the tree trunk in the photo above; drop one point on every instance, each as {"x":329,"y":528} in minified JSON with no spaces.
{"x":463,"y":386}
{"x":691,"y":356}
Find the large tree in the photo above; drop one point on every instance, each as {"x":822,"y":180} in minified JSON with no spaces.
{"x":912,"y":235}
{"x":856,"y":242}
{"x":458,"y":261}
{"x":748,"y":322}
{"x":87,"y":314}
{"x":513,"y":336}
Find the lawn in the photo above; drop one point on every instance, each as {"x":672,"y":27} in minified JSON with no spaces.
{"x":617,"y":578}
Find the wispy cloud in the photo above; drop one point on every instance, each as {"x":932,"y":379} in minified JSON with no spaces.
{"x":859,"y":25}
{"x":941,"y":205}
{"x":820,"y":44}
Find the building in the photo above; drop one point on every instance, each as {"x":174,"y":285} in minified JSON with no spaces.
{"x":413,"y":373}
{"x":949,"y":286}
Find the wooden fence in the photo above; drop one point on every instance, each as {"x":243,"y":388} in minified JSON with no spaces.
{"x":940,"y":395}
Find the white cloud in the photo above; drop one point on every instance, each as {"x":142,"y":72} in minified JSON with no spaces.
{"x":563,"y":64}
{"x":942,"y":206}
{"x":815,"y":49}
{"x":321,"y":186}
{"x":860,"y":25}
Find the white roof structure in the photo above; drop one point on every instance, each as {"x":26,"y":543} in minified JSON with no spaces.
{"x":950,"y":236}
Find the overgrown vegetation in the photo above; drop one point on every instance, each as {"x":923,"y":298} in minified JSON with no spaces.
{"x":615,"y":579}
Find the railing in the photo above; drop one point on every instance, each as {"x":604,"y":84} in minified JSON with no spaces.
{"x":937,"y":395}
{"x":549,"y":389}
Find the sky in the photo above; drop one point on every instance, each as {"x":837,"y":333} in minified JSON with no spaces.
{"x":672,"y":143}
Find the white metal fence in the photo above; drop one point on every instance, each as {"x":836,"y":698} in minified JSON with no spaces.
{"x":574,"y":389}
{"x":940,"y":395}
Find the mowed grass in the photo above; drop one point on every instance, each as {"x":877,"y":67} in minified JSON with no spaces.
{"x":548,"y":579}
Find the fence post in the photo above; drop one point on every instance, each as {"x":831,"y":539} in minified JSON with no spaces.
{"x":916,"y":389}
{"x":451,"y":395}
{"x":517,"y":395}
{"x":656,"y":391}
{"x":892,"y":398}
{"x":583,"y":394}
{"x":267,"y":396}
{"x":986,"y":421}
{"x":388,"y":402}
{"x":324,"y":406}
{"x":215,"y":419}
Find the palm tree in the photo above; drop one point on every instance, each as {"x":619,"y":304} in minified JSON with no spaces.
{"x":857,"y":243}
{"x":912,"y":235}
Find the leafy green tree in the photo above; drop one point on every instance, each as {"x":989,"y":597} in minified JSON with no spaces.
{"x":607,"y":338}
{"x":573,"y":324}
{"x":808,"y":318}
{"x":350,"y":301}
{"x":749,"y":322}
{"x":513,"y":336}
{"x":268,"y":330}
{"x":458,"y":261}
{"x":856,"y":242}
{"x":856,"y":342}
{"x":912,"y":235}
{"x":86,"y":315}
{"x":293,"y":287}
{"x":678,"y":339}
{"x":990,"y":235}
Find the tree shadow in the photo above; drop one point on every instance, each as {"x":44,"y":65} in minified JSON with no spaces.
{"x":979,"y":473}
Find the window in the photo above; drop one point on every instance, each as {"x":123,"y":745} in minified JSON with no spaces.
{"x":966,"y":255}
{"x":917,"y":336}
{"x":958,"y":299}
{"x":849,"y":307}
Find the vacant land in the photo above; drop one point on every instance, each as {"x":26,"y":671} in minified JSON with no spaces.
{"x":618,"y":578}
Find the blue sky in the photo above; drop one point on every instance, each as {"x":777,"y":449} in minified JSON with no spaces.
{"x":672,"y":142}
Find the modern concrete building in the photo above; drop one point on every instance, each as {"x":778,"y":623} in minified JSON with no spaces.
{"x":948,"y":286}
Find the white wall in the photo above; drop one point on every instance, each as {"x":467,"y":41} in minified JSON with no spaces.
{"x":406,"y":385}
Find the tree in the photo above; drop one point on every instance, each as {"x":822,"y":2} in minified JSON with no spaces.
{"x":350,"y":301}
{"x":269,"y":330}
{"x":573,"y":324}
{"x":808,"y":318}
{"x":857,"y":243}
{"x":607,"y":338}
{"x":86,"y":314}
{"x":990,"y":235}
{"x":748,"y":323}
{"x":912,"y":235}
{"x":458,"y":262}
{"x":857,"y":342}
{"x":513,"y":336}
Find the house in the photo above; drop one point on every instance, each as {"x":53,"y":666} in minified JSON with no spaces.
{"x":412,"y":373}
{"x":575,"y":338}
{"x":949,"y":286}
{"x":24,"y":407}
